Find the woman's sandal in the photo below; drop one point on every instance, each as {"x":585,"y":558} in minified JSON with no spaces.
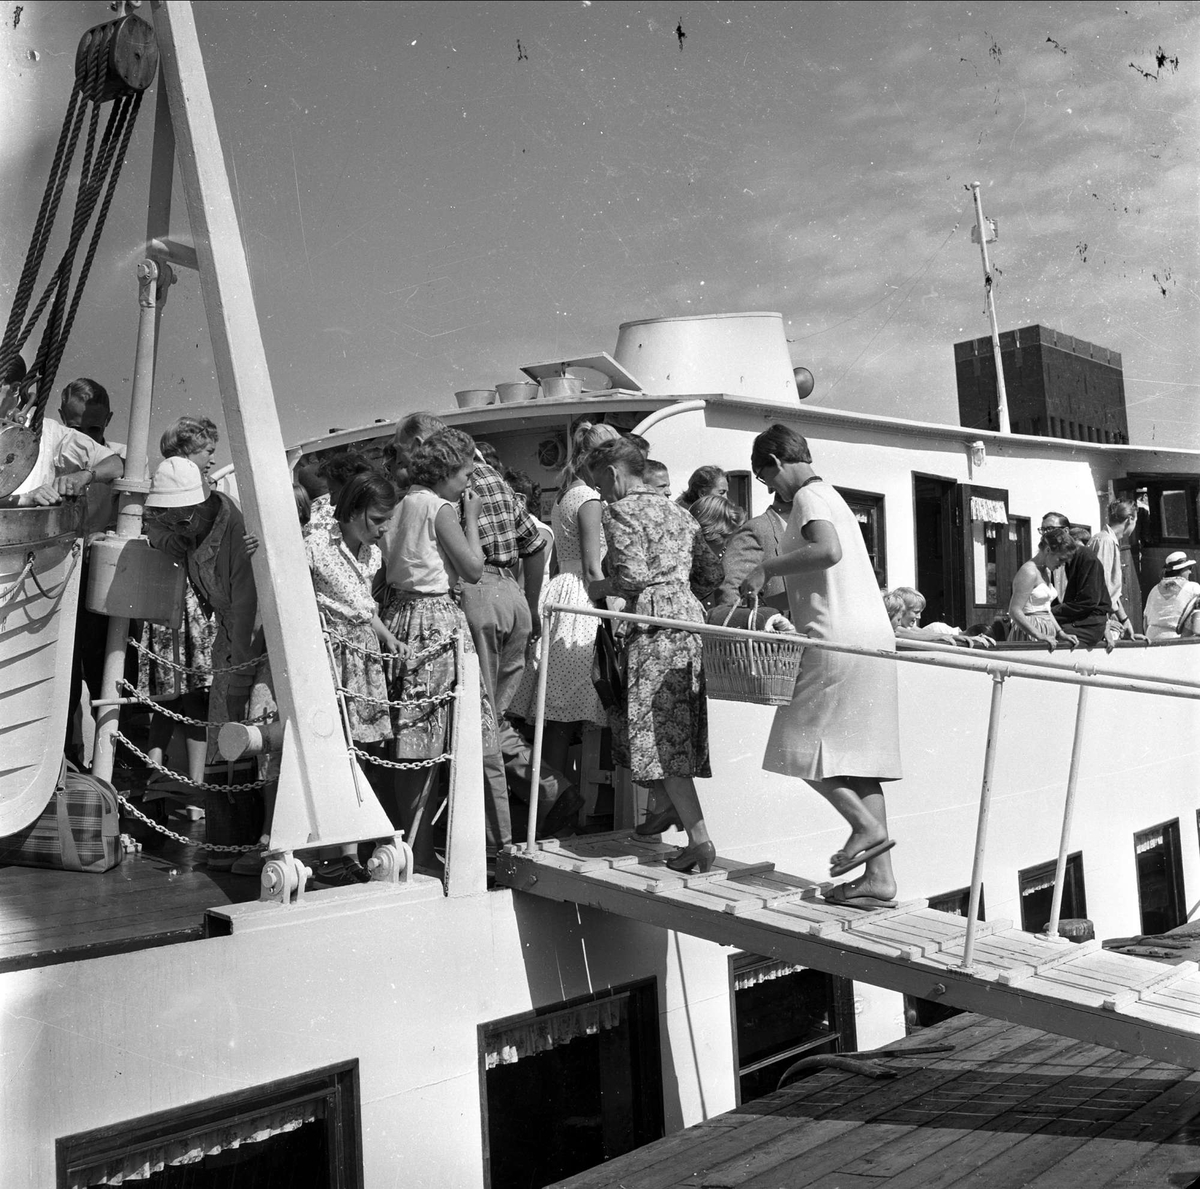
{"x":841,"y":862}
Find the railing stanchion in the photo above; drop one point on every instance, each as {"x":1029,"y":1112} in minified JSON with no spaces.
{"x":998,"y":674}
{"x":539,"y":726}
{"x":1068,"y":814}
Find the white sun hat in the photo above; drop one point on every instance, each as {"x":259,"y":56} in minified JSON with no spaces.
{"x":177,"y":483}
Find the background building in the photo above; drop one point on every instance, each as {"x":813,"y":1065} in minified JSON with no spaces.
{"x":1058,"y":386}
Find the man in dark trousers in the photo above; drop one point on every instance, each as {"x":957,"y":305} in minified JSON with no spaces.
{"x":1084,"y":607}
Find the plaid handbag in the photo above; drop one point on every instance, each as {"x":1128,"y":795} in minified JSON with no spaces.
{"x":78,"y":831}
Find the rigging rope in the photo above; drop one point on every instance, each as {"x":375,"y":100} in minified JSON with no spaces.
{"x":117,"y":61}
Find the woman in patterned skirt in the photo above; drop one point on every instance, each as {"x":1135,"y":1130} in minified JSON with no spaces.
{"x":426,"y":552}
{"x":654,"y":550}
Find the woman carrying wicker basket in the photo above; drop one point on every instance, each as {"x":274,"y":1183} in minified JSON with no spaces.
{"x":654,"y":550}
{"x":841,"y":731}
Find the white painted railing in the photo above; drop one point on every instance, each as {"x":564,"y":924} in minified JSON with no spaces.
{"x":1085,"y":675}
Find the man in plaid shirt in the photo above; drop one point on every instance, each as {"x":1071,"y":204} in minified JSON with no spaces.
{"x":502,"y":619}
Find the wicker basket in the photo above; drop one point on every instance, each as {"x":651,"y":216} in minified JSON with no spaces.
{"x":740,"y":670}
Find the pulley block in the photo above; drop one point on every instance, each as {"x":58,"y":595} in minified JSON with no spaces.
{"x":128,"y":55}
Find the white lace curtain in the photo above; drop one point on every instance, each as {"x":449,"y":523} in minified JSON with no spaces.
{"x":143,"y":1162}
{"x":988,"y":511}
{"x":543,"y":1033}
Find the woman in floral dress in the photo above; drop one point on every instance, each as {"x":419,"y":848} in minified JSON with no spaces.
{"x":654,"y":550}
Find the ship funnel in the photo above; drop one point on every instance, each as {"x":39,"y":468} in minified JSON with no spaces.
{"x":742,"y":355}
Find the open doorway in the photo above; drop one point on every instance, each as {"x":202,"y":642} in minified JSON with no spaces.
{"x":937,"y":548}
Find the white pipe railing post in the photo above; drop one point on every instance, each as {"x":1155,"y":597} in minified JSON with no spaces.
{"x":998,"y":674}
{"x":539,"y":724}
{"x":1068,"y":814}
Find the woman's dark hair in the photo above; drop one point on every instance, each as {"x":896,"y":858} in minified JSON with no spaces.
{"x":366,"y":490}
{"x":525,"y":487}
{"x":1059,"y":542}
{"x":616,"y":452}
{"x":490,"y":455}
{"x":439,"y":456}
{"x":338,"y":468}
{"x":702,"y":482}
{"x":778,"y":442}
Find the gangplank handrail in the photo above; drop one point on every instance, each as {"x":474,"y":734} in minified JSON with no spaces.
{"x":998,"y":669}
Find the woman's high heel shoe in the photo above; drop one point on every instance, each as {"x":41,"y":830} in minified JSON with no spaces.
{"x":659,"y":822}
{"x":699,"y":857}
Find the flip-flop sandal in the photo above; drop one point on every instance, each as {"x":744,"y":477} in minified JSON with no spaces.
{"x":837,"y":895}
{"x":849,"y":862}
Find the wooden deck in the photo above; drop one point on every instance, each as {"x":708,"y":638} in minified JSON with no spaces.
{"x":1009,"y":1108}
{"x":154,"y":897}
{"x":1082,"y":991}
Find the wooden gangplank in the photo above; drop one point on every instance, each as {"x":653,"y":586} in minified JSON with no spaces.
{"x":1075,"y":990}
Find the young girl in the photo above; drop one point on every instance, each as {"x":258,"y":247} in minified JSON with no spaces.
{"x":343,"y":555}
{"x":426,"y":553}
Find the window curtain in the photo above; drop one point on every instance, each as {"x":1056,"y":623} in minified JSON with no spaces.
{"x":543,"y":1033}
{"x":143,"y":1162}
{"x":988,"y":511}
{"x":751,"y":976}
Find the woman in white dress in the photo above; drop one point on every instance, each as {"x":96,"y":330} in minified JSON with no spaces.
{"x":840,"y":734}
{"x":579,"y":543}
{"x":1033,"y":590}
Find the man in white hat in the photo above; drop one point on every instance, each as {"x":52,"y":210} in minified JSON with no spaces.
{"x":1167,"y":602}
{"x":206,"y":531}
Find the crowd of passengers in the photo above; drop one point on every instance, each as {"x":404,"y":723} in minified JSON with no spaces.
{"x":447,"y":544}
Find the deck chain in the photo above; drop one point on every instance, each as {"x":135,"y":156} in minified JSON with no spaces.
{"x":401,"y":765}
{"x":160,"y":708}
{"x":132,"y":809}
{"x":194,"y":670}
{"x":178,"y":776}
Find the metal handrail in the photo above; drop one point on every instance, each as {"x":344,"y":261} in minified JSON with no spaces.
{"x":998,"y":670}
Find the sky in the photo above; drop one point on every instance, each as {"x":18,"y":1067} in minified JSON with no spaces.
{"x":432,"y":195}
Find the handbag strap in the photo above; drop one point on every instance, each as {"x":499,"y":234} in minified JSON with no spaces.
{"x":62,"y":813}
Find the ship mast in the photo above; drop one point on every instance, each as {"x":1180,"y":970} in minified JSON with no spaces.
{"x":981,"y":229}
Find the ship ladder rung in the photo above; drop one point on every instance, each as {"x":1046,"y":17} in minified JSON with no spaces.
{"x":1160,"y":980}
{"x":1024,"y":971}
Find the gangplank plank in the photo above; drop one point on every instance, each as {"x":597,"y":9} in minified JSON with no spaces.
{"x":1081,"y":991}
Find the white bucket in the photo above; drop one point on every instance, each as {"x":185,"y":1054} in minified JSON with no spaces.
{"x":742,"y":355}
{"x":521,"y":390}
{"x":561,"y":387}
{"x":475,"y":398}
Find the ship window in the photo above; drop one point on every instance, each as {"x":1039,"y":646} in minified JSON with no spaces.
{"x":1173,"y":514}
{"x":924,"y":1013}
{"x":957,"y":902}
{"x":868,"y":510}
{"x":739,"y":490}
{"x":1037,"y":893}
{"x":781,"y":1013}
{"x":570,"y":1086}
{"x":302,"y":1130}
{"x":1160,"y":878}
